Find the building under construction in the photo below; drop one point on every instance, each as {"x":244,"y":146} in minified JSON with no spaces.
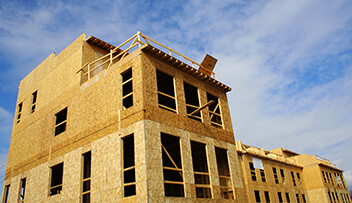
{"x":140,"y":122}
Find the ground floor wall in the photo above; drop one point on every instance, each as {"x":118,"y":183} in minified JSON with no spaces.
{"x":106,"y":181}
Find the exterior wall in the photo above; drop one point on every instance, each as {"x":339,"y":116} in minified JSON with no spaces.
{"x":270,"y":185}
{"x":180,"y":120}
{"x":155,"y":171}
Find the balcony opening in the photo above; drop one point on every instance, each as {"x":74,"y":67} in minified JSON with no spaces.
{"x":56,"y":179}
{"x":129,"y":171}
{"x":224,"y":173}
{"x":86,"y":176}
{"x":172,"y":166}
{"x":200,"y":168}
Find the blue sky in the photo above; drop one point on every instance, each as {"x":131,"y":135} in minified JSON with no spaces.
{"x":289,"y":63}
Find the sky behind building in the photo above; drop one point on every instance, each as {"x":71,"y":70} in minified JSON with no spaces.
{"x":289,"y":63}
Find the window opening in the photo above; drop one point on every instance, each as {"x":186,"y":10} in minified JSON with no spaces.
{"x":329,"y":193}
{"x":6,"y":196}
{"x":56,"y":179}
{"x":22,"y":190}
{"x":276,"y":178}
{"x":172,"y":166}
{"x":297,"y":198}
{"x":166,"y":91}
{"x":327,"y":175}
{"x":267,"y":196}
{"x":257,"y":196}
{"x":337,"y":197}
{"x":60,"y":124}
{"x":224,"y":173}
{"x":127,"y":89}
{"x":192,"y":102}
{"x":252,"y":170}
{"x":262,"y":174}
{"x":19,"y":111}
{"x":324,"y":176}
{"x":288,"y":200}
{"x":214,"y":111}
{"x":342,"y":181}
{"x":34,"y":101}
{"x":332,"y":180}
{"x":293,"y":178}
{"x":279,"y":195}
{"x":200,"y":168}
{"x":282,"y":173}
{"x":129,"y":170}
{"x":86,"y":176}
{"x":299,"y":179}
{"x":304,"y":198}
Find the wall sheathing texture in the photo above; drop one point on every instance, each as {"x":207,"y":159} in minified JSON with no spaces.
{"x":96,"y":121}
{"x":270,"y":184}
{"x":180,"y":120}
{"x":153,"y":154}
{"x":92,"y":112}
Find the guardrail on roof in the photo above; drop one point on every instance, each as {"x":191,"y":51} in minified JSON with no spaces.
{"x":92,"y":68}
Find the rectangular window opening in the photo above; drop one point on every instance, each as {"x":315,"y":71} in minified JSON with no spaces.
{"x":293,"y":178}
{"x":224,"y":173}
{"x":166,"y":91}
{"x":282,"y":173}
{"x":304,"y":198}
{"x":6,"y":194}
{"x":299,"y":179}
{"x":262,"y":174}
{"x":257,"y":196}
{"x":127,"y":89}
{"x":34,"y":101}
{"x":252,"y":171}
{"x":172,"y":166}
{"x":267,"y":196}
{"x":324,"y":176}
{"x":192,"y":102}
{"x":332,"y":180}
{"x":61,"y":120}
{"x":297,"y":198}
{"x":56,"y":179}
{"x":22,"y":190}
{"x":279,"y":195}
{"x":86,"y":177}
{"x":288,"y":200}
{"x":214,"y":111}
{"x":276,"y":177}
{"x":19,"y":111}
{"x":200,"y":169}
{"x":129,"y":170}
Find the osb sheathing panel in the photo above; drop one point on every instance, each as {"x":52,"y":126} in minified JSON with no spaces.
{"x":154,"y":164}
{"x":180,"y":120}
{"x":270,"y":184}
{"x":319,"y":174}
{"x":92,"y":113}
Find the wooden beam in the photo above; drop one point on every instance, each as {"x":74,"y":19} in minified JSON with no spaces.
{"x":202,"y":107}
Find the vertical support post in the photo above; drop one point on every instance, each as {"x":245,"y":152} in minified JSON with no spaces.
{"x":110,"y":56}
{"x":88,"y":71}
{"x":139,"y":38}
